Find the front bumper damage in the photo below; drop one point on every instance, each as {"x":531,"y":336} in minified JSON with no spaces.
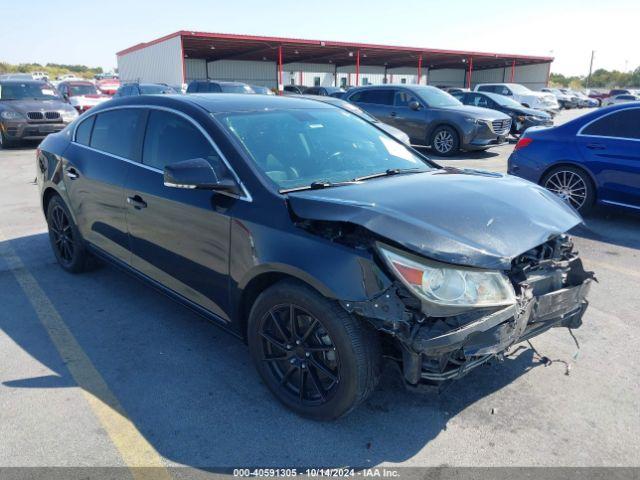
{"x":552,"y":292}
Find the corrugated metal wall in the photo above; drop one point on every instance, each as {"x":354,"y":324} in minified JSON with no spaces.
{"x":157,"y":63}
{"x":196,"y":69}
{"x":369,"y":74}
{"x":255,"y":73}
{"x":406,"y":75}
{"x":449,"y":77}
{"x":533,"y":76}
{"x":307,"y":74}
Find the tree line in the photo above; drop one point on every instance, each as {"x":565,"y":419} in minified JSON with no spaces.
{"x":600,"y":78}
{"x":52,"y":70}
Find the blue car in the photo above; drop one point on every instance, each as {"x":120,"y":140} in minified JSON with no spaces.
{"x":594,"y":159}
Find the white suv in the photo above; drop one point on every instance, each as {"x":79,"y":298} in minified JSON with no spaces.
{"x":521,"y":94}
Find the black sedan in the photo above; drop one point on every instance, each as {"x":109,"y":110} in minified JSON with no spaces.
{"x":521,"y":117}
{"x":313,"y":235}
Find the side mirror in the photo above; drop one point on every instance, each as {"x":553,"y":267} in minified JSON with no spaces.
{"x":199,"y":173}
{"x":414,"y":105}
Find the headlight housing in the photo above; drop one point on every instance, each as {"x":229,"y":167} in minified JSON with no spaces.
{"x":69,"y":115}
{"x":449,"y":286}
{"x":11,"y":115}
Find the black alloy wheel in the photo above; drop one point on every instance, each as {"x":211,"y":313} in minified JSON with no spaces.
{"x":66,"y":242}
{"x":62,"y":237}
{"x":315,"y":357}
{"x":300,"y":354}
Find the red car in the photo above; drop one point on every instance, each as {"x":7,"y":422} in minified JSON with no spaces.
{"x":82,"y":95}
{"x":108,"y":86}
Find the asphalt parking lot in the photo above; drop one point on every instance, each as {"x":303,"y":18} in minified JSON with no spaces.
{"x":101,"y":370}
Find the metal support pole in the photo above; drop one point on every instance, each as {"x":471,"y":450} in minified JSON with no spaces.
{"x":280,"y":86}
{"x":470,"y":73}
{"x":357,"y":68}
{"x":419,"y":69}
{"x":513,"y":70}
{"x":590,"y":69}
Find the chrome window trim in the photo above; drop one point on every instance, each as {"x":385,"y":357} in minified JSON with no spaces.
{"x":246,"y":195}
{"x":580,"y":134}
{"x":611,"y":202}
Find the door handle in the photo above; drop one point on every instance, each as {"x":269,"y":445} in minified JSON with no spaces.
{"x":596,"y":146}
{"x":137,"y":202}
{"x":393,"y":114}
{"x":71,"y":173}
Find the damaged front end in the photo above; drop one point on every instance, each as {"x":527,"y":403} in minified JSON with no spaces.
{"x":435,"y":343}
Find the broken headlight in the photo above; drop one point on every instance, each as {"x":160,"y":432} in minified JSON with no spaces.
{"x":448,"y":285}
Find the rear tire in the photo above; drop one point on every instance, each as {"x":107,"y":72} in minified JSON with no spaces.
{"x":573,"y":185}
{"x":445,"y":141}
{"x":323,"y":364}
{"x":66,"y":242}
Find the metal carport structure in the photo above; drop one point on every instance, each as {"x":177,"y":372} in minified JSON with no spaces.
{"x":188,"y":55}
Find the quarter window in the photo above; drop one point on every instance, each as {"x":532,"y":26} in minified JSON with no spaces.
{"x":171,"y":138}
{"x":621,"y":124}
{"x":118,"y":132}
{"x":83,"y":132}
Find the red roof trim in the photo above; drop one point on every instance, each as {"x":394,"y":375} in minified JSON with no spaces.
{"x":302,"y":42}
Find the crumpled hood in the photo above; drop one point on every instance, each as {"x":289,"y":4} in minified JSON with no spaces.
{"x":463,"y":217}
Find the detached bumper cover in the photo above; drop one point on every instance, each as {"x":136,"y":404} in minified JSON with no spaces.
{"x":496,"y":332}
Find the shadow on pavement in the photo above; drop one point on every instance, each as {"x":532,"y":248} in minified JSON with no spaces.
{"x":192,"y":391}
{"x":611,"y":226}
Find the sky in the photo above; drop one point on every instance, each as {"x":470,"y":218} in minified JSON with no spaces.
{"x":88,"y":32}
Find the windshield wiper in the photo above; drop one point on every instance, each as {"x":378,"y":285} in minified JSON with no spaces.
{"x":318,"y":185}
{"x":389,"y":172}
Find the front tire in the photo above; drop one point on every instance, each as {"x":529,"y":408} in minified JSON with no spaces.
{"x":66,"y":242}
{"x":5,"y":142}
{"x":445,"y":141}
{"x":573,"y":185}
{"x":316,"y":358}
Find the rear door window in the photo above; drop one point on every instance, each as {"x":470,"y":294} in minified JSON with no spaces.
{"x":621,"y":124}
{"x":170,"y":138}
{"x":378,"y":97}
{"x":119,"y":132}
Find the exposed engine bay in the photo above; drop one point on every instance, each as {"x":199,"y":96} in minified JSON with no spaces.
{"x":551,"y":286}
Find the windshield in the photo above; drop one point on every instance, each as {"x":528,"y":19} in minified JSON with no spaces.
{"x":358,"y":111}
{"x":156,"y":89}
{"x":503,"y":101}
{"x":82,"y":90}
{"x":230,"y":88}
{"x":520,"y":89}
{"x":434,"y":97}
{"x":27,"y":91}
{"x":296,"y":148}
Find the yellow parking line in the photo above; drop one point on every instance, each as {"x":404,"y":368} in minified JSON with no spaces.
{"x":134,"y":448}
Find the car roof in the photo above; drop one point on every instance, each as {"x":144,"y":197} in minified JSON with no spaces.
{"x":220,"y":82}
{"x":77,"y":82}
{"x":20,"y":82}
{"x":221,"y":102}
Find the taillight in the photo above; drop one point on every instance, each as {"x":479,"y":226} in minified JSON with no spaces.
{"x":523,"y":142}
